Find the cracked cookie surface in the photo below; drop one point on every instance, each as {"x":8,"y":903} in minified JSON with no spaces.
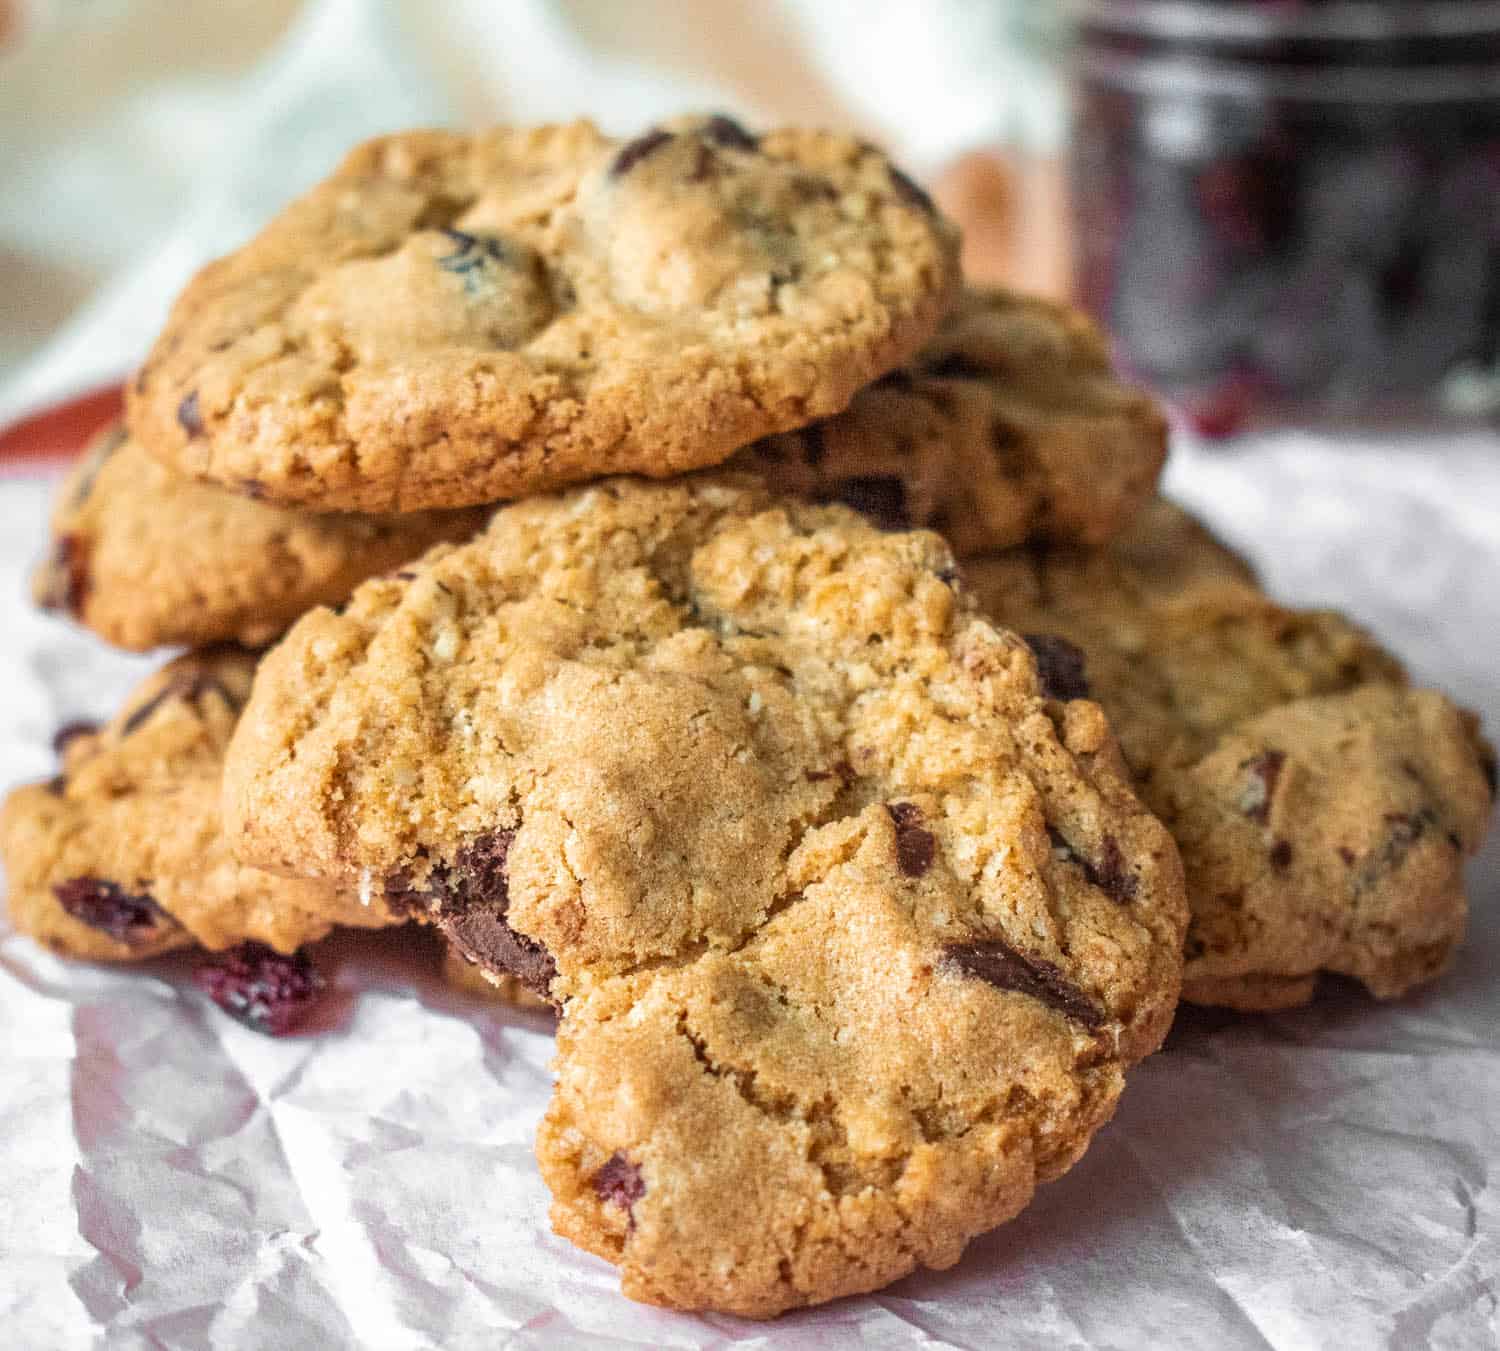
{"x":1009,"y":425}
{"x":1323,"y":808}
{"x":147,"y":558}
{"x":853,"y":932}
{"x":452,"y":319}
{"x":121,"y":857}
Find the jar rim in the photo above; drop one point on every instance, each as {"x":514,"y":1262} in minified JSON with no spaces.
{"x":1350,"y":20}
{"x":1195,"y":77}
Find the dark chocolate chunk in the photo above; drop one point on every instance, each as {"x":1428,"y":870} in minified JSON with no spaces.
{"x":1059,"y":666}
{"x":188,"y":686}
{"x":260,"y":988}
{"x":1111,"y":874}
{"x":1263,"y":771}
{"x":1346,"y":855}
{"x":727,"y":132}
{"x":469,"y":899}
{"x":956,"y":366}
{"x":814,"y":444}
{"x":71,"y":731}
{"x":910,"y":192}
{"x":471,"y":255}
{"x":188,"y":416}
{"x":67,"y":584}
{"x":127,"y":917}
{"x":880,"y":497}
{"x":915,"y":845}
{"x":633,"y":152}
{"x":1281,"y":855}
{"x":253,"y":488}
{"x":1006,"y":969}
{"x":619,"y":1183}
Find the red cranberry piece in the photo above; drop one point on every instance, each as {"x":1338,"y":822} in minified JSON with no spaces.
{"x":619,"y":1183}
{"x":261,"y":988}
{"x":107,"y":906}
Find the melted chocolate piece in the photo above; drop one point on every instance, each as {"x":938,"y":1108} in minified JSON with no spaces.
{"x":469,"y":899}
{"x":1007,"y":969}
{"x":1281,"y":855}
{"x":1059,"y":666}
{"x":1111,"y":874}
{"x":915,"y":845}
{"x":633,"y":152}
{"x":130,"y":918}
{"x":1264,"y":772}
{"x":71,"y":731}
{"x":67,"y":586}
{"x":910,"y":192}
{"x":619,"y":1183}
{"x":188,"y":416}
{"x":880,"y":497}
{"x":727,"y":132}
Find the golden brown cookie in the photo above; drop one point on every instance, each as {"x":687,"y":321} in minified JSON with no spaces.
{"x":122,"y":857}
{"x":853,"y":932}
{"x":1323,"y":808}
{"x":451,"y":319}
{"x":146,"y":558}
{"x":1010,"y":425}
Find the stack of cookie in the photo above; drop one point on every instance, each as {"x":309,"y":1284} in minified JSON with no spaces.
{"x":813,"y":823}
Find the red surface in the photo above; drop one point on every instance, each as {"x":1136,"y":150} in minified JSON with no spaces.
{"x":63,"y":429}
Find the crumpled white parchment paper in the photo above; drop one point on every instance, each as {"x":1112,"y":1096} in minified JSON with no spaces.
{"x":1312,"y":1179}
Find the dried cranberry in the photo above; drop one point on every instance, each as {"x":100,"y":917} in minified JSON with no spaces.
{"x":130,"y":918}
{"x":1263,"y":772}
{"x":261,"y":988}
{"x":619,"y":1182}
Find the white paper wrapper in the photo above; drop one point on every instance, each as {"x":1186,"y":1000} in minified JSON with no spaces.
{"x":1312,"y":1179}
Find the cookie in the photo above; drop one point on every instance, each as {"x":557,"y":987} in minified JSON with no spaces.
{"x":1010,"y":425}
{"x":121,"y":857}
{"x":146,"y":558}
{"x":1323,"y":808}
{"x":452,"y":319}
{"x":853,"y":932}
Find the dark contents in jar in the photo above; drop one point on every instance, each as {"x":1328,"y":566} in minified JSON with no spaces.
{"x":1267,"y":237}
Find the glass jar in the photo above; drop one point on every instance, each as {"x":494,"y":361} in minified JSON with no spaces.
{"x":1291,"y":211}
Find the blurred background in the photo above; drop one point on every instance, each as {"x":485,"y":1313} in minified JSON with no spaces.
{"x":1285,"y":213}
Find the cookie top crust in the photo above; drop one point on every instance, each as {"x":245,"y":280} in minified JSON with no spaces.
{"x":1323,"y":808}
{"x":789,"y":833}
{"x":121,"y":856}
{"x":1009,"y":425}
{"x":147,"y":558}
{"x":453,"y":319}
